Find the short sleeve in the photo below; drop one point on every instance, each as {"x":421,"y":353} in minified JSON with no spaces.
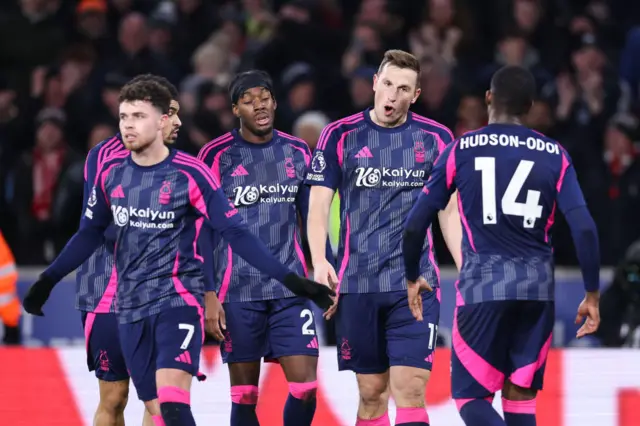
{"x":325,"y":169}
{"x":569,"y":192}
{"x":441,"y":182}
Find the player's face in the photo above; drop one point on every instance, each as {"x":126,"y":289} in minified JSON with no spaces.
{"x":395,"y":90}
{"x":256,"y":110}
{"x":141,"y":124}
{"x":170,"y":133}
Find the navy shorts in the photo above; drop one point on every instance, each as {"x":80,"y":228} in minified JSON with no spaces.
{"x":104,"y":355}
{"x":170,"y":339}
{"x":376,"y":331}
{"x":269,"y":329}
{"x":495,"y":341}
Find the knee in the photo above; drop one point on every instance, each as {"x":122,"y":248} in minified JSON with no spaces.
{"x":114,"y":400}
{"x":304,"y":391}
{"x":408,"y":387}
{"x":244,"y":394}
{"x":373,"y":392}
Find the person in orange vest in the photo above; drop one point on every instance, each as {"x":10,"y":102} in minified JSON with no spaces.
{"x":10,"y":309}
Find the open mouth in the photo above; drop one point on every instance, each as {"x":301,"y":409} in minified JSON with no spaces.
{"x":263,"y":120}
{"x":129,"y":137}
{"x":388,"y":110}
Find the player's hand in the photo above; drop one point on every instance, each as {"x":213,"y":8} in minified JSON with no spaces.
{"x":324,"y":273}
{"x":414,"y":290}
{"x":589,"y":309}
{"x":37,"y":296}
{"x":215,"y":320}
{"x":319,"y":294}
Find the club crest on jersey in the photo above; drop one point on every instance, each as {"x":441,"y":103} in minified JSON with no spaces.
{"x":93,"y":198}
{"x":289,"y":168}
{"x":418,"y":150}
{"x":318,"y":164}
{"x":165,"y":193}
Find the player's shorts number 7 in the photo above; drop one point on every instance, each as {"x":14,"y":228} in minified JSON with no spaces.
{"x":190,"y":330}
{"x":530,"y":210}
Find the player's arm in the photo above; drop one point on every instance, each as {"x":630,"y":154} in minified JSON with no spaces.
{"x":324,"y":176}
{"x":435,"y":196}
{"x":583,"y":229}
{"x":449,"y":218}
{"x":205,"y":246}
{"x":585,"y":238}
{"x":224,"y":218}
{"x":90,"y":235}
{"x":302,"y":203}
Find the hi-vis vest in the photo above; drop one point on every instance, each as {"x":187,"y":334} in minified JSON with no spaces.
{"x":8,"y":274}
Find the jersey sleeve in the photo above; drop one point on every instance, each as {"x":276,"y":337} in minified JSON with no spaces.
{"x":434,"y":197}
{"x":325,"y":167}
{"x":211,"y":202}
{"x":569,"y":194}
{"x":93,"y":223}
{"x":90,"y":172}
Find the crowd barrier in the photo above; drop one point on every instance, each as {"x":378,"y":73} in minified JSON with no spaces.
{"x":61,"y":325}
{"x":51,"y":387}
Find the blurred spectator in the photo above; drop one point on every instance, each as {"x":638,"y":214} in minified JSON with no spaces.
{"x":441,"y":103}
{"x":360,"y":90}
{"x":309,"y":126}
{"x":472,"y":114}
{"x":36,"y":179}
{"x":299,"y":85}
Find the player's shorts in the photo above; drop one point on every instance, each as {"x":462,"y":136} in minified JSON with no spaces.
{"x":104,"y":355}
{"x":170,"y":339}
{"x":269,"y":329}
{"x":375,"y":331}
{"x":495,"y":341}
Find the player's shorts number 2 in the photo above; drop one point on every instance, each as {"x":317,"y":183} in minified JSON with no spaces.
{"x":530,"y":210}
{"x":306,"y":327}
{"x":190,"y":330}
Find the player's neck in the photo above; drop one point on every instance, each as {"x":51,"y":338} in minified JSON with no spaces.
{"x":499,"y":118}
{"x":374,"y":118}
{"x":153,"y":154}
{"x":252,"y":138}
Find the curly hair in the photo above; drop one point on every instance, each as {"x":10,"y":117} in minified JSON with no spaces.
{"x":149,"y":91}
{"x":158,"y":79}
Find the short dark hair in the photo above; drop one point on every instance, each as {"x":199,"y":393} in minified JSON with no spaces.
{"x":513,"y":90}
{"x":400,"y":59}
{"x":160,"y":80}
{"x":149,"y":91}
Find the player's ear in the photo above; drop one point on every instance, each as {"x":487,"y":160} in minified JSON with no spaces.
{"x":416,"y":95}
{"x":487,"y":97}
{"x":375,"y":81}
{"x":234,"y":109}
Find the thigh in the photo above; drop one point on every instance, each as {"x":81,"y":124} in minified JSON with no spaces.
{"x":530,"y":343}
{"x":291,"y":328}
{"x":104,"y":354}
{"x":245,"y":339}
{"x":411,"y":343}
{"x":139,"y":352}
{"x":360,"y":333}
{"x":481,"y":339}
{"x":179,"y":335}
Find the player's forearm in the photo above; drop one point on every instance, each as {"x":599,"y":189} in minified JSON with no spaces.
{"x":451,"y":227}
{"x":252,"y":249}
{"x":79,"y":248}
{"x":317,"y":230}
{"x":303,"y":208}
{"x":585,"y":239}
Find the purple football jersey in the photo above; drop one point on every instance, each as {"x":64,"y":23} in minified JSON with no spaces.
{"x":378,"y":173}
{"x":158,"y":212}
{"x":265,"y":183}
{"x":510,"y":182}
{"x":96,"y":278}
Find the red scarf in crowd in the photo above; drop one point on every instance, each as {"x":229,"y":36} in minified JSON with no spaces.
{"x":46,"y":171}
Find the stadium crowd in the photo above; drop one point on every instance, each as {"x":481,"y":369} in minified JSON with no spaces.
{"x":66,"y":61}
